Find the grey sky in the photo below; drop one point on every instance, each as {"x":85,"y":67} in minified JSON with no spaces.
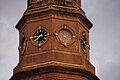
{"x":104,"y":36}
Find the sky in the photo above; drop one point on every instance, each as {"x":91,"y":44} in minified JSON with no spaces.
{"x":104,"y":36}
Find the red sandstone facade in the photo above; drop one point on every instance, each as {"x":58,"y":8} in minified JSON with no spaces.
{"x":54,"y":42}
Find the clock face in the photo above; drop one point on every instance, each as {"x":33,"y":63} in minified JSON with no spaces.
{"x":40,"y":36}
{"x":65,"y":36}
{"x":84,"y":42}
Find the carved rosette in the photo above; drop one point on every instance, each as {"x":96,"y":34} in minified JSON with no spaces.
{"x":65,"y":35}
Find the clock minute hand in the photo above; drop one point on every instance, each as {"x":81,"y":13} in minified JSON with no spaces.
{"x":38,"y":37}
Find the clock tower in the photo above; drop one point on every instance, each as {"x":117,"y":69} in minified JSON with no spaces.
{"x":54,"y":42}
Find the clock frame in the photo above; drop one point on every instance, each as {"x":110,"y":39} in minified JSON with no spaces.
{"x":39,"y":36}
{"x":84,"y":42}
{"x":65,"y":35}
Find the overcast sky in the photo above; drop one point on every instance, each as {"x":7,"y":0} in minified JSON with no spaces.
{"x":104,"y":36}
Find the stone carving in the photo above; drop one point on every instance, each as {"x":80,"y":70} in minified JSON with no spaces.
{"x":39,"y":3}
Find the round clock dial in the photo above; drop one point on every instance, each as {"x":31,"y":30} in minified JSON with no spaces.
{"x":84,"y":42}
{"x":65,"y":36}
{"x":40,"y":36}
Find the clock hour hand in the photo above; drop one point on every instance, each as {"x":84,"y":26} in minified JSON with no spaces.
{"x":38,"y":37}
{"x":63,"y":35}
{"x":41,"y":35}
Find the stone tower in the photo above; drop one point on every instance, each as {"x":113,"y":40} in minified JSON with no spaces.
{"x":54,"y":42}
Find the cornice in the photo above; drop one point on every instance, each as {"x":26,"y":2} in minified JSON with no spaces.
{"x":51,"y":11}
{"x":54,"y":69}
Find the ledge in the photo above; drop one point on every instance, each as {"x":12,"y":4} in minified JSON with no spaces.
{"x":54,"y":69}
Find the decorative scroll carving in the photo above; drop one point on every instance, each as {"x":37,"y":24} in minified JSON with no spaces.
{"x":39,"y":3}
